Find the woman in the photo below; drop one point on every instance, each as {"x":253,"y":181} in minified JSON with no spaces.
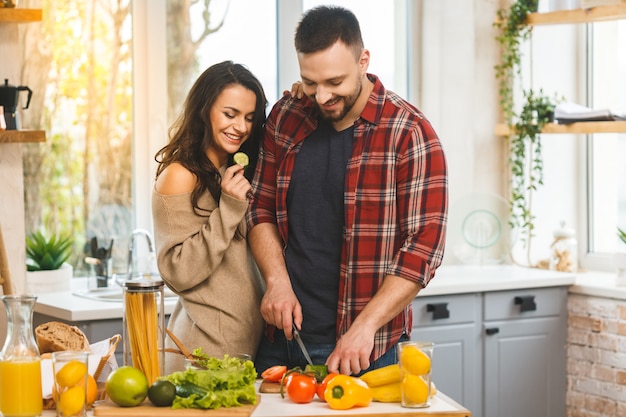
{"x":199,"y":202}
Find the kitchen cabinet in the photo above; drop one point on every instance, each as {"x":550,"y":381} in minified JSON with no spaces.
{"x":524,"y":371}
{"x":500,"y":352}
{"x":453,"y":323}
{"x":594,"y":14}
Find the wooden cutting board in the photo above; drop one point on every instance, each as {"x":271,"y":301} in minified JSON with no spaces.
{"x":269,"y":387}
{"x":108,"y":408}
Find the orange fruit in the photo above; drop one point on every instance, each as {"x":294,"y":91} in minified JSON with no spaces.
{"x":92,"y":389}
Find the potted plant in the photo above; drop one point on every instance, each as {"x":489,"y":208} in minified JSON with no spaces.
{"x":46,"y":266}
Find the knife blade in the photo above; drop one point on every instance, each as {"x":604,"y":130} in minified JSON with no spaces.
{"x":296,"y":336}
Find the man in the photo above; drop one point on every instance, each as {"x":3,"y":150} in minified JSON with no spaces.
{"x":349,"y":204}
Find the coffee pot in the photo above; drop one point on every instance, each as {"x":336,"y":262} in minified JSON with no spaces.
{"x":9,"y":97}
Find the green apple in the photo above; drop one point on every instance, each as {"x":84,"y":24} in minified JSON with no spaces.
{"x":127,"y":386}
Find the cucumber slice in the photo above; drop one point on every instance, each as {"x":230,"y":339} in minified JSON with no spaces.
{"x":241,"y":158}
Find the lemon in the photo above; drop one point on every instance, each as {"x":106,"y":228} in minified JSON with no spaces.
{"x":241,"y":158}
{"x":162,"y":393}
{"x":414,"y":389}
{"x":72,"y":401}
{"x":414,"y":361}
{"x":71,"y":374}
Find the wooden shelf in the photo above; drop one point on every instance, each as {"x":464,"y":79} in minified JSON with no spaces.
{"x":581,"y":128}
{"x":594,"y":14}
{"x":17,"y":15}
{"x":22,"y":136}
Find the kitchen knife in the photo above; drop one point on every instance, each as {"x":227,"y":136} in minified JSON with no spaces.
{"x":296,"y":336}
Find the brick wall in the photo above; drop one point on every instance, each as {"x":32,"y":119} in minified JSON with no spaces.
{"x":596,"y":357}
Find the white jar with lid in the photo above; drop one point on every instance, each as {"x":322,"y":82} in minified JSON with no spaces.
{"x":564,"y":250}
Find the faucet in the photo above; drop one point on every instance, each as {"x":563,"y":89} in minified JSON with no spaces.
{"x":131,"y":247}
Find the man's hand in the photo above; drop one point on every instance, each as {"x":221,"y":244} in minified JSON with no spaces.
{"x":353,"y":349}
{"x":352,"y":352}
{"x":281,"y":307}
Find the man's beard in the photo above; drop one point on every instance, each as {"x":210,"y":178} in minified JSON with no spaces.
{"x":348,"y":104}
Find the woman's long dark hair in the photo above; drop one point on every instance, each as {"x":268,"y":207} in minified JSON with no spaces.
{"x":192,"y":132}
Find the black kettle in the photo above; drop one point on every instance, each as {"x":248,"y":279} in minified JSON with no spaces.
{"x":9,"y":96}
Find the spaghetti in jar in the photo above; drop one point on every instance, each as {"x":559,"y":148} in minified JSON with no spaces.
{"x":144,"y":324}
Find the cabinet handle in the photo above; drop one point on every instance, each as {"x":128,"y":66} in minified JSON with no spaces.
{"x":492,"y":330}
{"x":439,"y":310}
{"x":526,"y":303}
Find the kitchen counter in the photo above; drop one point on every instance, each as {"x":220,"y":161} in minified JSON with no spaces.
{"x":598,"y":284}
{"x":71,"y":307}
{"x":272,"y":405}
{"x":448,"y":280}
{"x":471,"y":279}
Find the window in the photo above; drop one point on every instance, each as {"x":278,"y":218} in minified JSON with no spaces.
{"x":80,"y":67}
{"x":606,"y":158}
{"x":105,"y":65}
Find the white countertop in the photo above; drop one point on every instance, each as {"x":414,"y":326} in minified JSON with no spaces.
{"x":272,"y":405}
{"x":598,"y":284}
{"x":448,"y":280}
{"x":67,"y":306}
{"x":470,"y":279}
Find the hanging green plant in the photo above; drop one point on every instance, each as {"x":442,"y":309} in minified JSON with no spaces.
{"x":513,"y":31}
{"x":525,"y":158}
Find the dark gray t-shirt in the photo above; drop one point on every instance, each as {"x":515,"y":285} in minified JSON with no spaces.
{"x":315,"y":210}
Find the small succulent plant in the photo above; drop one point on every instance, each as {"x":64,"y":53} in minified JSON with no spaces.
{"x":44,"y":253}
{"x":622,"y":235}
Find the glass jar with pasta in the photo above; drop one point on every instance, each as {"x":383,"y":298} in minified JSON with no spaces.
{"x":144,"y":326}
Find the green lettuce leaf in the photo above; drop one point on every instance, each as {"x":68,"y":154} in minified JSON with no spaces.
{"x":216,"y":399}
{"x":228,"y":382}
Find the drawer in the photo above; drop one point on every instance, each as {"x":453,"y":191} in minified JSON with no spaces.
{"x":446,"y":309}
{"x":531,"y":302}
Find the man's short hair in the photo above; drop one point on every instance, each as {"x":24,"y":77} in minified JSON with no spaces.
{"x":322,"y":26}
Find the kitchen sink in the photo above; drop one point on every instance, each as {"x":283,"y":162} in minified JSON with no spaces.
{"x":113,"y":294}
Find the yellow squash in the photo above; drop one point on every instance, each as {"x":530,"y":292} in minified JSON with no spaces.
{"x":382,"y":376}
{"x":389,"y":393}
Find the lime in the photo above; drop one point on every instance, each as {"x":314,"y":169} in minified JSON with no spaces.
{"x":162,"y":393}
{"x":241,"y":158}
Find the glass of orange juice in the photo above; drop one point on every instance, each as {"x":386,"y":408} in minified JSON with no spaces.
{"x":70,"y":369}
{"x":415,"y":360}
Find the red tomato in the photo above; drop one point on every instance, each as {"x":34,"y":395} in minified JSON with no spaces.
{"x":274,"y":373}
{"x":321,"y":387}
{"x":301,"y":388}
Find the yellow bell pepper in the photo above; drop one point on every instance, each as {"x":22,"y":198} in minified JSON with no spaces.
{"x":344,"y":392}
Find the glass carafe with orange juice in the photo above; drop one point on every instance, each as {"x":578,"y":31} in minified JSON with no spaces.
{"x":20,"y":365}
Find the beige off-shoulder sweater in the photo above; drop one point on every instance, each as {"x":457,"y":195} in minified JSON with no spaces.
{"x":218,"y":284}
